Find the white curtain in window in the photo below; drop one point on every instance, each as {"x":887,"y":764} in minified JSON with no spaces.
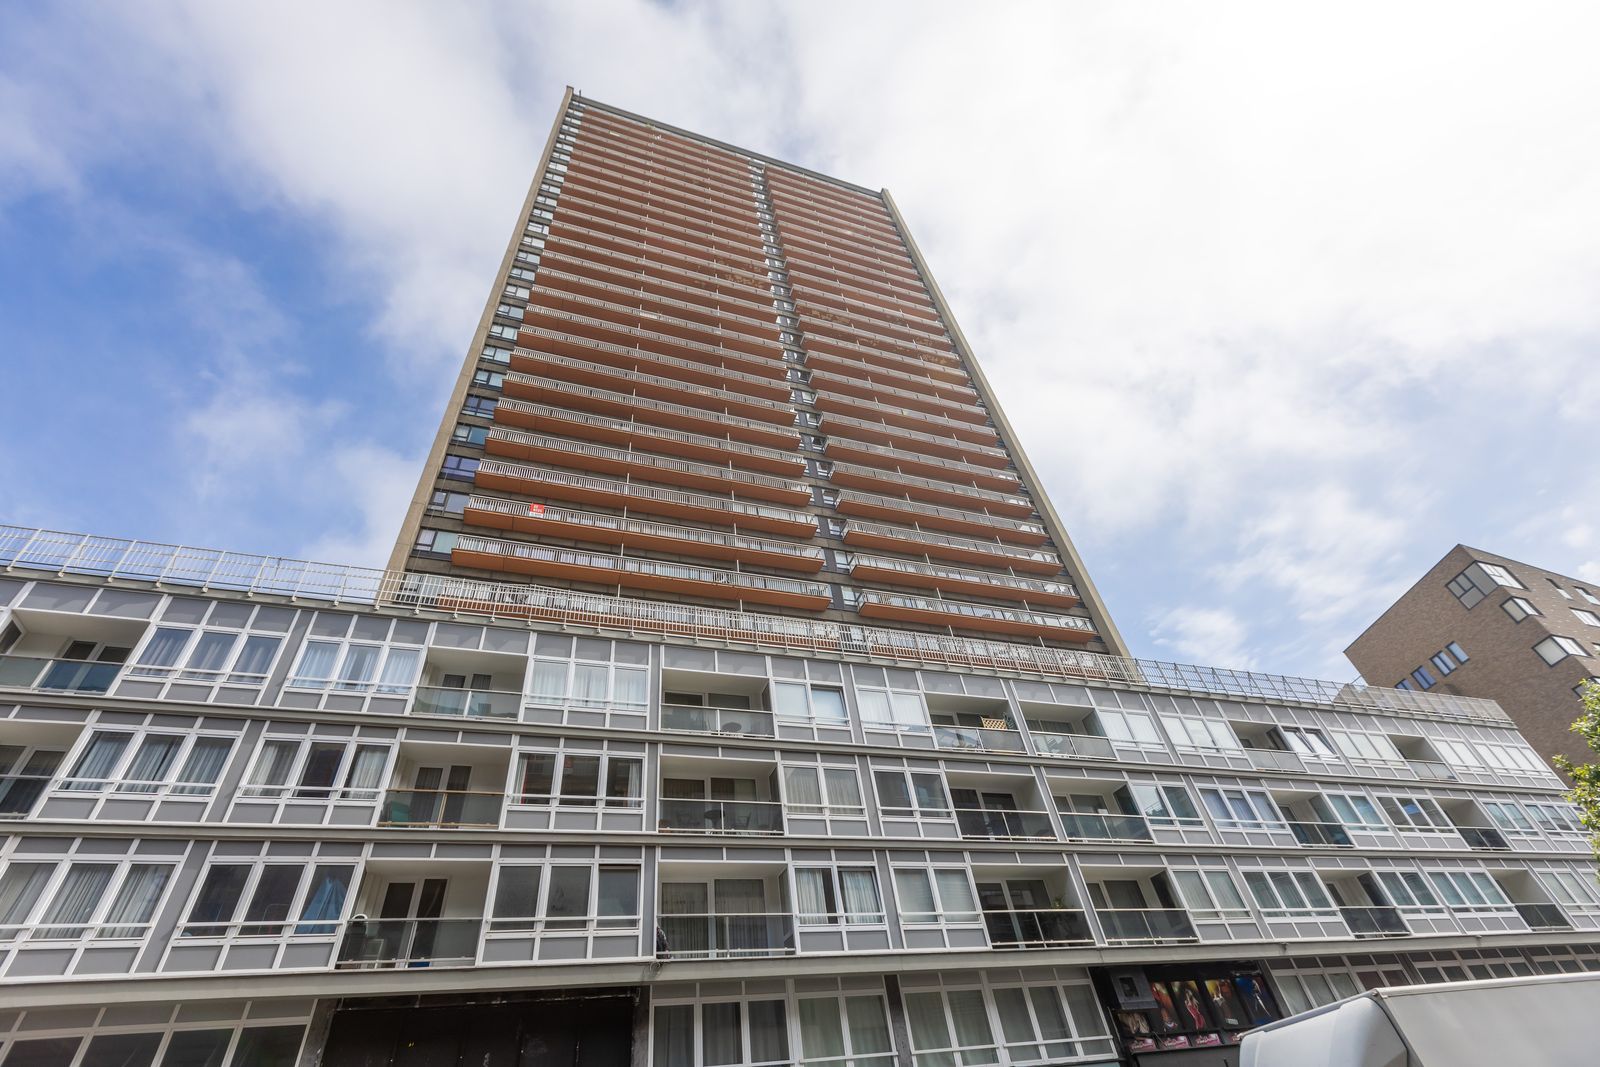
{"x":1016,"y":1024}
{"x":1053,"y":1025}
{"x":97,"y":761}
{"x":955,"y":896}
{"x":929,"y":1027}
{"x":789,"y":700}
{"x":1087,"y":1018}
{"x":769,"y":1032}
{"x":811,"y":891}
{"x":801,"y":788}
{"x":971,"y":1023}
{"x":316,"y":663}
{"x":549,"y":681}
{"x":916,"y":896}
{"x":874,"y":706}
{"x":210,"y":653}
{"x":821,"y":1032}
{"x":399,"y":670}
{"x":20,"y":887}
{"x":861,"y":902}
{"x":254,"y":659}
{"x":908,"y":710}
{"x":75,"y":900}
{"x":163,"y":648}
{"x":272,"y":767}
{"x":203,"y":765}
{"x":366,"y":770}
{"x":150,"y":763}
{"x":589,"y":684}
{"x":869,"y":1025}
{"x":720,"y":1034}
{"x":360,"y":664}
{"x":844,"y":788}
{"x":631,"y":688}
{"x":136,"y":900}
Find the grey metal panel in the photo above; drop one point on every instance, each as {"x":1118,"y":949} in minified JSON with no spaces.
{"x":118,"y":960}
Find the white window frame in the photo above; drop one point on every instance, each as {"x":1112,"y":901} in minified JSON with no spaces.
{"x":114,"y":783}
{"x":901,"y":704}
{"x":1257,"y":800}
{"x":942,"y":915}
{"x":839,"y":917}
{"x":1280,"y":907}
{"x":235,"y":924}
{"x":373,"y":684}
{"x":27,"y":930}
{"x":337,"y":793}
{"x":827,"y":809}
{"x":1196,"y":733}
{"x":1426,"y":804}
{"x":808,"y":692}
{"x":1210,"y":908}
{"x":180,"y":670}
{"x":558,"y":799}
{"x":591,"y":922}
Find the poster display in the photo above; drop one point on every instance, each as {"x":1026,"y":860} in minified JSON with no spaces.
{"x":1171,"y":1008}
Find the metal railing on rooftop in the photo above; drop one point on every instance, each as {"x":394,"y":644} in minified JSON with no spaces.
{"x":214,"y":570}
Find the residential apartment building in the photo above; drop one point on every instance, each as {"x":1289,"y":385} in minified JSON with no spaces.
{"x":591,"y":777}
{"x":1482,"y":625}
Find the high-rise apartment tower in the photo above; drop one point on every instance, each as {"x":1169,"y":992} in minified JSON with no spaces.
{"x":708,"y":377}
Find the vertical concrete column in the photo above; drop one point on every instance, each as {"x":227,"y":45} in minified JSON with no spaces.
{"x":639,"y":1055}
{"x":317,"y":1033}
{"x":897,"y":1021}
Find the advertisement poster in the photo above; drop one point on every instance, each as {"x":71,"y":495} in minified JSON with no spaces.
{"x":1193,"y":1011}
{"x":1133,"y":1023}
{"x":1166,"y":1011}
{"x":1170,"y":1043}
{"x":1207,"y":1040}
{"x":1142,"y":1044}
{"x":1225,"y":1004}
{"x":1257,"y":1001}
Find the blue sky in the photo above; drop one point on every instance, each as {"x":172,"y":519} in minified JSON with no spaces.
{"x":1284,"y":300}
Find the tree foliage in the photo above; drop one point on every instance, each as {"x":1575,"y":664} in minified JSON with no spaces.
{"x":1585,"y":792}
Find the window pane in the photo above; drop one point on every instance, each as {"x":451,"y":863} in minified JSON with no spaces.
{"x":399,"y":670}
{"x":20,"y":887}
{"x":569,"y":897}
{"x":538,"y":777}
{"x":619,"y":893}
{"x":673,"y":1036}
{"x":98,"y":760}
{"x":1016,"y":1024}
{"x":814,"y":897}
{"x":268,"y":1046}
{"x":324,"y":905}
{"x":252,"y":665}
{"x":955,"y":896}
{"x":322,"y":766}
{"x":1193,"y":888}
{"x":164,"y":646}
{"x":1223,"y":890}
{"x":719,"y":1034}
{"x":892,"y":791}
{"x":76,"y":900}
{"x":800,"y":786}
{"x":821,"y":1032}
{"x":151,"y":762}
{"x":869,"y":1025}
{"x":360,"y":662}
{"x":316,"y":662}
{"x":929,"y":789}
{"x":218,"y":898}
{"x":197,"y":1048}
{"x":828,"y":704}
{"x":625,"y":780}
{"x":970,"y":1018}
{"x":204,"y":764}
{"x":789,"y":700}
{"x":589,"y":683}
{"x":136,"y":900}
{"x":549,"y":682}
{"x":769,"y":1032}
{"x":874,"y":705}
{"x":269,"y":904}
{"x":580,"y":779}
{"x":925,"y":1013}
{"x":43,"y":1052}
{"x":916,"y":896}
{"x":859,"y":887}
{"x":209,"y":653}
{"x":366,"y":769}
{"x":516,"y":897}
{"x":272,"y":766}
{"x":844,"y":790}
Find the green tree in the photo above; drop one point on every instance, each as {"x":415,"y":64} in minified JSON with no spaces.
{"x":1585,"y":792}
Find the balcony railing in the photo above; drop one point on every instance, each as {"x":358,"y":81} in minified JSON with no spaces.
{"x":735,"y":424}
{"x":1038,"y":928}
{"x":1072,"y":746}
{"x":912,"y":572}
{"x":936,"y":440}
{"x":1098,"y":826}
{"x":1485,"y":838}
{"x":914,"y":536}
{"x":1432,"y":771}
{"x":935,"y":487}
{"x":441,"y":807}
{"x":375,"y":943}
{"x":1376,"y":921}
{"x":721,"y":816}
{"x":1149,"y":926}
{"x":938,"y":511}
{"x":978,"y":738}
{"x":63,"y":675}
{"x":728,"y":936}
{"x":996,"y":825}
{"x":959,"y":610}
{"x":701,"y":720}
{"x":19,"y":793}
{"x":667,"y":435}
{"x":1544,"y":917}
{"x":1328,"y":834}
{"x":49,"y":552}
{"x":1272,"y":759}
{"x":466,"y":703}
{"x":646,"y":464}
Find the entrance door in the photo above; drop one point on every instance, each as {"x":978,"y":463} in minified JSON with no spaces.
{"x":409,"y":918}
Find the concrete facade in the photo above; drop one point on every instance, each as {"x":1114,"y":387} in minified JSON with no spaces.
{"x":1502,"y":663}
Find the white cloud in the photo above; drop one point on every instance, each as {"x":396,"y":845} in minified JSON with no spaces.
{"x":1278,"y":294}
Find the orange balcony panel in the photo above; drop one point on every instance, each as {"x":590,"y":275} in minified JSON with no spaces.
{"x":622,"y":236}
{"x":645,"y":499}
{"x":879,"y":433}
{"x":880,"y":481}
{"x":896,"y":394}
{"x":930,"y":613}
{"x":639,"y":465}
{"x":642,"y":383}
{"x":634,"y":434}
{"x":621,"y":404}
{"x":906,"y":511}
{"x":965,"y":431}
{"x":991,"y":553}
{"x":1001,"y":481}
{"x":634,"y":298}
{"x":573,"y":255}
{"x":666,"y":231}
{"x":633,"y":209}
{"x":542,"y":520}
{"x":649,"y":333}
{"x":998,"y":587}
{"x":596,"y":570}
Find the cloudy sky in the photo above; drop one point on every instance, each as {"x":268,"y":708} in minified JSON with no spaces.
{"x":1284,"y":299}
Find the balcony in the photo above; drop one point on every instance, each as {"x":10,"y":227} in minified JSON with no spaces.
{"x":887,"y":458}
{"x":1146,"y":926}
{"x":583,"y":489}
{"x":578,"y":257}
{"x":1272,"y":759}
{"x":727,"y":722}
{"x":936,"y":490}
{"x":962,"y":616}
{"x":957,"y":520}
{"x":1038,"y":928}
{"x":586,"y":336}
{"x":550,"y":521}
{"x":913,"y":539}
{"x":1103,"y":826}
{"x":972,"y":433}
{"x":977,"y":739}
{"x":371,"y":944}
{"x":1375,"y":921}
{"x":993,"y":824}
{"x":1544,"y":917}
{"x":1072,"y":746}
{"x":873,"y":342}
{"x":950,"y":579}
{"x":628,"y":245}
{"x":603,"y":459}
{"x":628,"y":405}
{"x":898,"y":396}
{"x":57,"y":675}
{"x":850,"y":252}
{"x":741,"y":935}
{"x":658,"y":235}
{"x":1321,"y":834}
{"x":877,"y":432}
{"x":601,"y":569}
{"x":465,"y":703}
{"x":919,"y":324}
{"x":439,"y":808}
{"x":1484,"y":838}
{"x":1431,"y":771}
{"x":631,"y":433}
{"x":670,"y":213}
{"x":721,"y":816}
{"x":627,"y":292}
{"x":580,"y":371}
